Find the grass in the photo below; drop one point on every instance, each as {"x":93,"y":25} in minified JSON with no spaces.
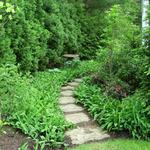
{"x":116,"y":145}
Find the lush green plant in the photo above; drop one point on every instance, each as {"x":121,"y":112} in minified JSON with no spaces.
{"x":40,"y":32}
{"x":33,"y":110}
{"x":23,"y":147}
{"x":119,"y":55}
{"x":102,"y":5}
{"x":92,"y":24}
{"x":7,"y":11}
{"x":31,"y":103}
{"x":130,"y":115}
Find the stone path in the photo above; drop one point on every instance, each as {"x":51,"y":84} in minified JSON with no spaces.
{"x":86,"y":129}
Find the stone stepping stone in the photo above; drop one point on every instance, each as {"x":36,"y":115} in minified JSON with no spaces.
{"x":74,"y":84}
{"x":79,"y":119}
{"x":67,"y":88}
{"x":66,"y":100}
{"x":78,"y":80}
{"x":67,"y":93}
{"x":71,"y":108}
{"x":83,"y":135}
{"x":87,"y":130}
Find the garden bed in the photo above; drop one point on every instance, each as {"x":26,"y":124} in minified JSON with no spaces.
{"x":127,"y":115}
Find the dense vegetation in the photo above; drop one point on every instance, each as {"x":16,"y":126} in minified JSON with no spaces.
{"x":117,"y":96}
{"x":130,"y":114}
{"x":34,"y":35}
{"x":40,"y":32}
{"x":31,"y":103}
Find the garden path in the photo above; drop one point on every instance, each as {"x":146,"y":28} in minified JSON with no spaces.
{"x":86,"y":129}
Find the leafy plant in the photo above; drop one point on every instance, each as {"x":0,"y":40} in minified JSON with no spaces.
{"x":30,"y":103}
{"x":130,"y":115}
{"x":120,"y":54}
{"x":39,"y":33}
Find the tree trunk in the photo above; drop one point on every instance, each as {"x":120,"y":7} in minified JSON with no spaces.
{"x":145,"y":21}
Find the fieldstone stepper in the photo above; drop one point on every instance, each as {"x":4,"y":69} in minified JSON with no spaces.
{"x":66,"y":100}
{"x":87,"y":130}
{"x":71,"y":108}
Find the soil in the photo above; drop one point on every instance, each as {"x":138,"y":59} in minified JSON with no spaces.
{"x":13,"y":139}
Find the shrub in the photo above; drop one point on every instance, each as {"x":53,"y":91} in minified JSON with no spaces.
{"x":6,"y":53}
{"x":92,"y":24}
{"x":120,"y":53}
{"x":40,"y":33}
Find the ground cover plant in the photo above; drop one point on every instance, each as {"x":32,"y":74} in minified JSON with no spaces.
{"x":30,"y":103}
{"x":130,"y":114}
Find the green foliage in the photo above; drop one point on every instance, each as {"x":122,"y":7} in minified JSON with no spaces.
{"x":130,"y":115}
{"x":2,"y":124}
{"x":95,"y":23}
{"x":23,"y":147}
{"x":6,"y":12}
{"x":102,"y":5}
{"x":40,"y":32}
{"x":119,"y":55}
{"x":31,"y":103}
{"x":34,"y":34}
{"x":62,"y":22}
{"x":92,"y":24}
{"x":122,"y":63}
{"x":6,"y":53}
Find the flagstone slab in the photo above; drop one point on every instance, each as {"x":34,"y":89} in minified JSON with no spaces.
{"x":78,"y":118}
{"x":78,"y":80}
{"x":74,"y":84}
{"x":67,"y":88}
{"x":87,"y":129}
{"x":66,"y":100}
{"x":67,"y":93}
{"x":83,"y":135}
{"x":71,"y":108}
